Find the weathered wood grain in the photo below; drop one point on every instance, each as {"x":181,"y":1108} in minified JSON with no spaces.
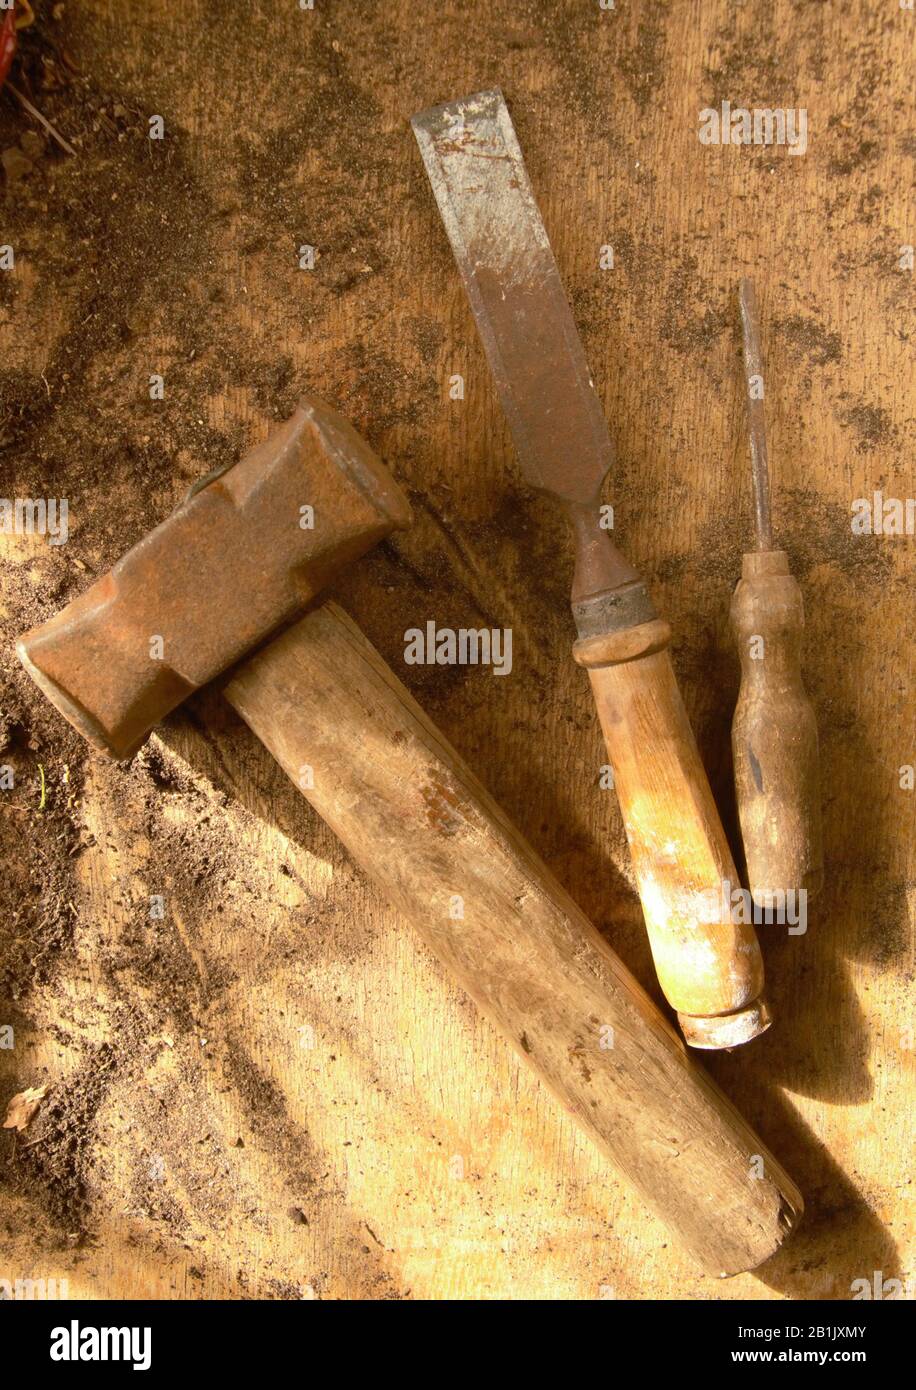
{"x":421,"y":825}
{"x":286,"y":127}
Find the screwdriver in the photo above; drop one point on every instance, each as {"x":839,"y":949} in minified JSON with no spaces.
{"x":774,"y":733}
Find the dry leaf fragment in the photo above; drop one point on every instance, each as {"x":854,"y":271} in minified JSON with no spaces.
{"x":23,"y":1108}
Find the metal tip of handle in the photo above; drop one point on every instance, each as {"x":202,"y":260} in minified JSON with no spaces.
{"x":727,"y":1031}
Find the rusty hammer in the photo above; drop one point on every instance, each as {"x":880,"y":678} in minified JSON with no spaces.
{"x":243,"y":555}
{"x":217,"y":578}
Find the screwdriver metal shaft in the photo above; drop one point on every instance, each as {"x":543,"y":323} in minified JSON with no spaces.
{"x":756,"y":414}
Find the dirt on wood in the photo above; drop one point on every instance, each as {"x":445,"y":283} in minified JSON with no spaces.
{"x":245,"y":1051}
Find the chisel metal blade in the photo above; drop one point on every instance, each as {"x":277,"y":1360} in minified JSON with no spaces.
{"x":478,"y":176}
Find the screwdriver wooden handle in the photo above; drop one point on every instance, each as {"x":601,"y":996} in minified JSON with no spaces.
{"x":415,"y":817}
{"x":774,"y":735}
{"x":708,"y":965}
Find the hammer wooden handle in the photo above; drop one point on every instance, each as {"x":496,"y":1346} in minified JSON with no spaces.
{"x":708,"y":965}
{"x":774,"y":735}
{"x":416,"y":818}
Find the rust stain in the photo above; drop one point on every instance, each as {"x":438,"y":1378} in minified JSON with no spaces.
{"x":443,"y":808}
{"x":577,"y":1057}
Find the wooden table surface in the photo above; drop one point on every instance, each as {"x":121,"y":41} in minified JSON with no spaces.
{"x":274,"y":1091}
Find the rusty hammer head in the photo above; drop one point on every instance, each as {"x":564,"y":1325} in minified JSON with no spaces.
{"x":239,"y":558}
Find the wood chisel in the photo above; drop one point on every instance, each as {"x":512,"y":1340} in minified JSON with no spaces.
{"x":774,"y":732}
{"x":708,"y":963}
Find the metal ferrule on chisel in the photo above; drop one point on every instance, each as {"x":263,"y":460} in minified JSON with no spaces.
{"x":608,"y":594}
{"x":613,"y":610}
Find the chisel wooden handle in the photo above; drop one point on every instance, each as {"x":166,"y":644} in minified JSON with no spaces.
{"x":774,"y":735}
{"x":708,"y":965}
{"x":416,"y":818}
